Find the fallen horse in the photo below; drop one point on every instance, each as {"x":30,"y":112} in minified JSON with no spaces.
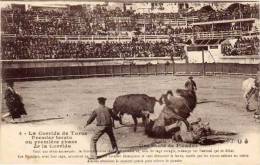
{"x":200,"y":132}
{"x":177,"y":108}
{"x":172,"y":121}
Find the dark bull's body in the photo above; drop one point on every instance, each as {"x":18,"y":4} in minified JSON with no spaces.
{"x":134,"y":104}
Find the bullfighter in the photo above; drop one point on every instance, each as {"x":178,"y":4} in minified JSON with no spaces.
{"x":103,"y":116}
{"x":190,"y":84}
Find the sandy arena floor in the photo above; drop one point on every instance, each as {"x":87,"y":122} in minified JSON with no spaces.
{"x":74,"y":100}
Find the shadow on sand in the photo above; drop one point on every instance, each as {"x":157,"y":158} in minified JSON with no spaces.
{"x":205,"y":101}
{"x":217,"y":137}
{"x":104,"y":155}
{"x":35,"y":121}
{"x":129,"y":125}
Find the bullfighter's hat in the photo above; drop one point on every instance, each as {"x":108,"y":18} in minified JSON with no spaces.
{"x":102,"y":99}
{"x":190,"y":77}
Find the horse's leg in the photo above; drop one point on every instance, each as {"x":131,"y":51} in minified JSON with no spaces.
{"x":146,"y":119}
{"x":120,"y":117}
{"x":113,"y":123}
{"x":171,"y":127}
{"x":247,"y":104}
{"x":135,"y":121}
{"x":145,"y":116}
{"x":115,"y":113}
{"x":247,"y":97}
{"x":143,"y":120}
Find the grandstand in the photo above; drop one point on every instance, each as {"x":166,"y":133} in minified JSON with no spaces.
{"x":152,"y":32}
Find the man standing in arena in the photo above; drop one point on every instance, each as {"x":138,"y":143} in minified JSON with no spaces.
{"x":103,"y":116}
{"x":190,"y":84}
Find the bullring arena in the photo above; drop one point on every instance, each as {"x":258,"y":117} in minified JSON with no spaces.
{"x":220,"y":98}
{"x":61,"y":58}
{"x":72,"y":101}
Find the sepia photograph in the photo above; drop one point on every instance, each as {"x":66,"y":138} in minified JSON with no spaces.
{"x":130,"y":82}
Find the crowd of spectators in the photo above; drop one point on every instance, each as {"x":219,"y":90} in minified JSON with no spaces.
{"x":243,"y":46}
{"x":28,"y":24}
{"x":100,"y":21}
{"x":234,"y":11}
{"x":51,"y":48}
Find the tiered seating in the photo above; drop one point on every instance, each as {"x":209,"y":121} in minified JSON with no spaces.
{"x":40,"y":34}
{"x":51,"y":48}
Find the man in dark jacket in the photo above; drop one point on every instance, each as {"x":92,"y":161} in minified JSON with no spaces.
{"x":190,"y":84}
{"x":13,"y":102}
{"x":103,"y":116}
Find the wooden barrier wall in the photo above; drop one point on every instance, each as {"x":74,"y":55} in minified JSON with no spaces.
{"x":60,"y":71}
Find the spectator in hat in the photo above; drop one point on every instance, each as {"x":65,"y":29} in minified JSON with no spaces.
{"x":103,"y":116}
{"x":13,"y":102}
{"x":190,"y":84}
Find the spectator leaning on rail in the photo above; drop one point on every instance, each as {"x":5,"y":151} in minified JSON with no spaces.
{"x":103,"y":116}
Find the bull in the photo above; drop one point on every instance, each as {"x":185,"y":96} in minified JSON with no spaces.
{"x":137,"y":105}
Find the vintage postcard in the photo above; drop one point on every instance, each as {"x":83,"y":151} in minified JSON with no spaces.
{"x":130,"y":82}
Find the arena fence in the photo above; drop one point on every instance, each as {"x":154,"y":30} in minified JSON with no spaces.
{"x":66,"y":70}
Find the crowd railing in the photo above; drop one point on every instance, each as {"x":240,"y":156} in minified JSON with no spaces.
{"x":93,"y":38}
{"x":217,"y":35}
{"x":184,"y":36}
